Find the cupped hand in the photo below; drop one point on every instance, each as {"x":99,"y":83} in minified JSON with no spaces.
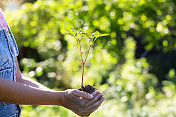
{"x":81,"y":103}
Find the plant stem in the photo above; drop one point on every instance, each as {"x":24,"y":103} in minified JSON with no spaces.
{"x":83,"y":62}
{"x":80,"y":52}
{"x":87,"y":54}
{"x":82,"y":75}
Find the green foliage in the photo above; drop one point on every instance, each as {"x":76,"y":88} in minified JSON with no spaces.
{"x":52,"y":58}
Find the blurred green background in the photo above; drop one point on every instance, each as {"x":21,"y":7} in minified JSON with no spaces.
{"x":134,"y":67}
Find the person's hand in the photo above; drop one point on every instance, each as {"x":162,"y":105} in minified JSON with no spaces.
{"x":81,"y":103}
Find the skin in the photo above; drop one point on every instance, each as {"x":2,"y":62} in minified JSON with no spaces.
{"x":28,"y":92}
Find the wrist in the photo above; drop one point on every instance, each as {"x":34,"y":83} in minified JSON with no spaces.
{"x":61,"y":98}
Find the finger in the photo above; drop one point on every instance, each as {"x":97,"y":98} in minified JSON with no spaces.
{"x":95,"y":93}
{"x":82,"y":94}
{"x":87,"y":102}
{"x":96,"y":105}
{"x":95,"y":99}
{"x":93,"y":109}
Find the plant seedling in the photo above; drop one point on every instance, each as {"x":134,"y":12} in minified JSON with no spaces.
{"x":82,"y":35}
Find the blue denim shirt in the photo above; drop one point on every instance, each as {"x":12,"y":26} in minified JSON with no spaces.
{"x":8,"y":53}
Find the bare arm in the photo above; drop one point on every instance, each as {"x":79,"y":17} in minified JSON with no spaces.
{"x":18,"y":93}
{"x":24,"y":80}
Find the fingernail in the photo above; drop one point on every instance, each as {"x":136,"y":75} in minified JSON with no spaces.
{"x":100,"y":92}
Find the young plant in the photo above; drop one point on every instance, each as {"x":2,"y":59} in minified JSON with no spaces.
{"x":82,"y":35}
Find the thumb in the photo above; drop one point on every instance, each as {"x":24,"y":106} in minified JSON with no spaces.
{"x":82,"y":94}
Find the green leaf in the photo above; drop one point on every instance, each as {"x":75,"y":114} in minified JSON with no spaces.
{"x":102,"y":35}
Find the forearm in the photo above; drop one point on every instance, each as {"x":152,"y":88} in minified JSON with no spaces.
{"x":18,"y":93}
{"x":30,"y":82}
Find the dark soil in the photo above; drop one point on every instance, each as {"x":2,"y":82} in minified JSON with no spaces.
{"x":88,"y":89}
